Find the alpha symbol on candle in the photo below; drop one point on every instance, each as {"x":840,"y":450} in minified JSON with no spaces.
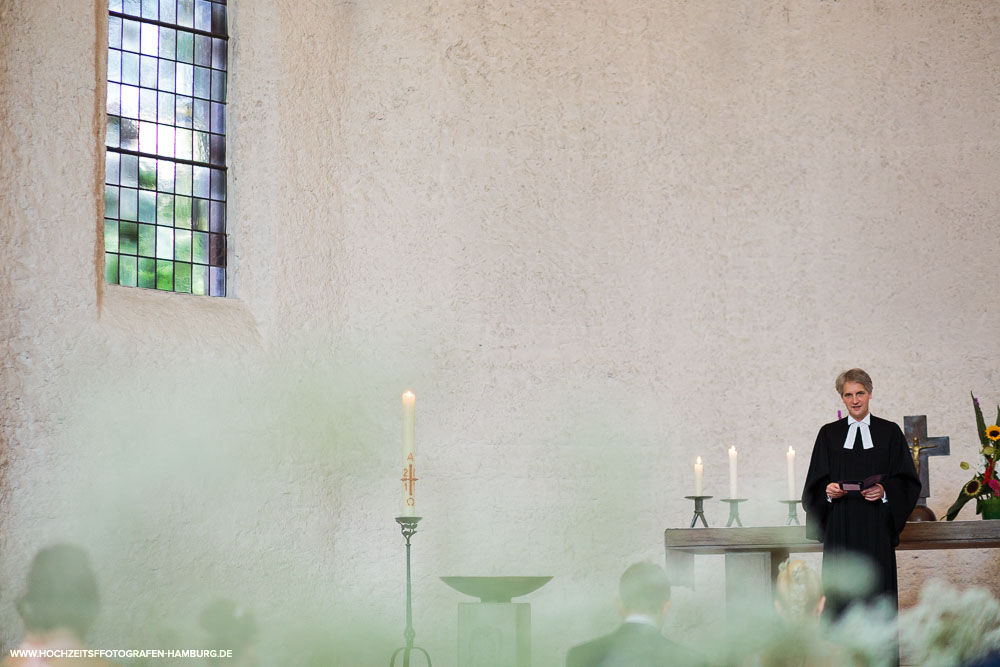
{"x":409,"y":480}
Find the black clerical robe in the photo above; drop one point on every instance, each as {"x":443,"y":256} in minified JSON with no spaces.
{"x":853,"y":524}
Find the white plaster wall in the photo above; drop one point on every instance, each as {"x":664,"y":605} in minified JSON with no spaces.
{"x":596,"y":239}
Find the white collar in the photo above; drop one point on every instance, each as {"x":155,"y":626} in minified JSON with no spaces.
{"x":852,"y":432}
{"x":642,"y":618}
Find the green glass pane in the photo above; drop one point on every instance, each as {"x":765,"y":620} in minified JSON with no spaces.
{"x":182,"y":245}
{"x":150,"y":9}
{"x":132,"y":7}
{"x":165,"y":176}
{"x":185,"y":46}
{"x":111,"y":201}
{"x":164,"y":243}
{"x":199,"y":247}
{"x":147,"y":240}
{"x":199,"y":279}
{"x":165,"y":209}
{"x":111,"y":139}
{"x":164,"y":274}
{"x":128,"y":204}
{"x":127,"y":273}
{"x":147,"y":173}
{"x":147,"y":272}
{"x":110,"y":235}
{"x":182,"y":277}
{"x":111,"y":268}
{"x":128,"y":238}
{"x":130,"y":171}
{"x":199,"y":216}
{"x":147,"y":206}
{"x":182,"y":217}
{"x":182,"y":179}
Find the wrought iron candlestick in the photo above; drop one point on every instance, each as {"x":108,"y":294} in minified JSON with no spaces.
{"x":734,"y":510}
{"x":792,"y":514}
{"x":408,"y":524}
{"x":699,"y":509}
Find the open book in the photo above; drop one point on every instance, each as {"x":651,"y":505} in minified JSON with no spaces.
{"x":866,"y":483}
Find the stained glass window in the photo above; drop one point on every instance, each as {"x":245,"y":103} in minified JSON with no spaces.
{"x":165,"y":170}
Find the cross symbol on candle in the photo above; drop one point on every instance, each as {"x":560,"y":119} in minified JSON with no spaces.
{"x":409,"y":478}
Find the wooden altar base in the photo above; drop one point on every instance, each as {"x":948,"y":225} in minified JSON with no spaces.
{"x":753,"y":554}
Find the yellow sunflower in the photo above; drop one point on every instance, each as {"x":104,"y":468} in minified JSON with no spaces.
{"x":993,"y":432}
{"x":973,"y":488}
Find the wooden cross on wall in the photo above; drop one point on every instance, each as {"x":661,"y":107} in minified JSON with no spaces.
{"x":916,"y":427}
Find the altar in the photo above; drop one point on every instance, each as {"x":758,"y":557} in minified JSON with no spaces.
{"x":752,"y":555}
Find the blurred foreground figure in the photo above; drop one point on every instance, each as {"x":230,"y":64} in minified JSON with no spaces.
{"x":798,"y":592}
{"x":860,"y":489}
{"x":230,"y":627}
{"x":58,"y":607}
{"x":645,"y":599}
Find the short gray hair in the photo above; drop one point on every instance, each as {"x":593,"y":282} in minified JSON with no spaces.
{"x":854,"y":375}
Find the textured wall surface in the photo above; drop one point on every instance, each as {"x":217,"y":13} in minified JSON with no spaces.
{"x":597,"y":239}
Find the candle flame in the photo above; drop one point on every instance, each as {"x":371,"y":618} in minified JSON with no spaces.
{"x":408,"y":395}
{"x":790,"y":450}
{"x":698,"y":461}
{"x":732,"y":450}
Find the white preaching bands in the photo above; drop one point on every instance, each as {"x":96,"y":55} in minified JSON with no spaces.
{"x":852,"y":432}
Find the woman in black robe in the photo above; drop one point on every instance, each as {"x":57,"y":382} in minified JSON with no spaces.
{"x":850,"y":523}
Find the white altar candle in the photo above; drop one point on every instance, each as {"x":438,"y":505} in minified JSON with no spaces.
{"x":732,"y":472}
{"x":698,"y":469}
{"x":409,"y":475}
{"x":790,"y":457}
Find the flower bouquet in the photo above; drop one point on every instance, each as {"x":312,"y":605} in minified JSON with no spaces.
{"x":984,"y":486}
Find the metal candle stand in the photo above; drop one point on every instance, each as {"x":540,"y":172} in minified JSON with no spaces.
{"x":699,"y":509}
{"x":734,"y":510}
{"x":792,"y":514}
{"x":408,"y":524}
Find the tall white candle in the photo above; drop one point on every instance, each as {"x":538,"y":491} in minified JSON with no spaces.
{"x":733,"y":490}
{"x":409,"y":478}
{"x":790,"y":457}
{"x":698,"y":469}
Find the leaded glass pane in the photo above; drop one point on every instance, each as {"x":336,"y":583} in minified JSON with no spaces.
{"x":165,"y":166}
{"x":147,"y":272}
